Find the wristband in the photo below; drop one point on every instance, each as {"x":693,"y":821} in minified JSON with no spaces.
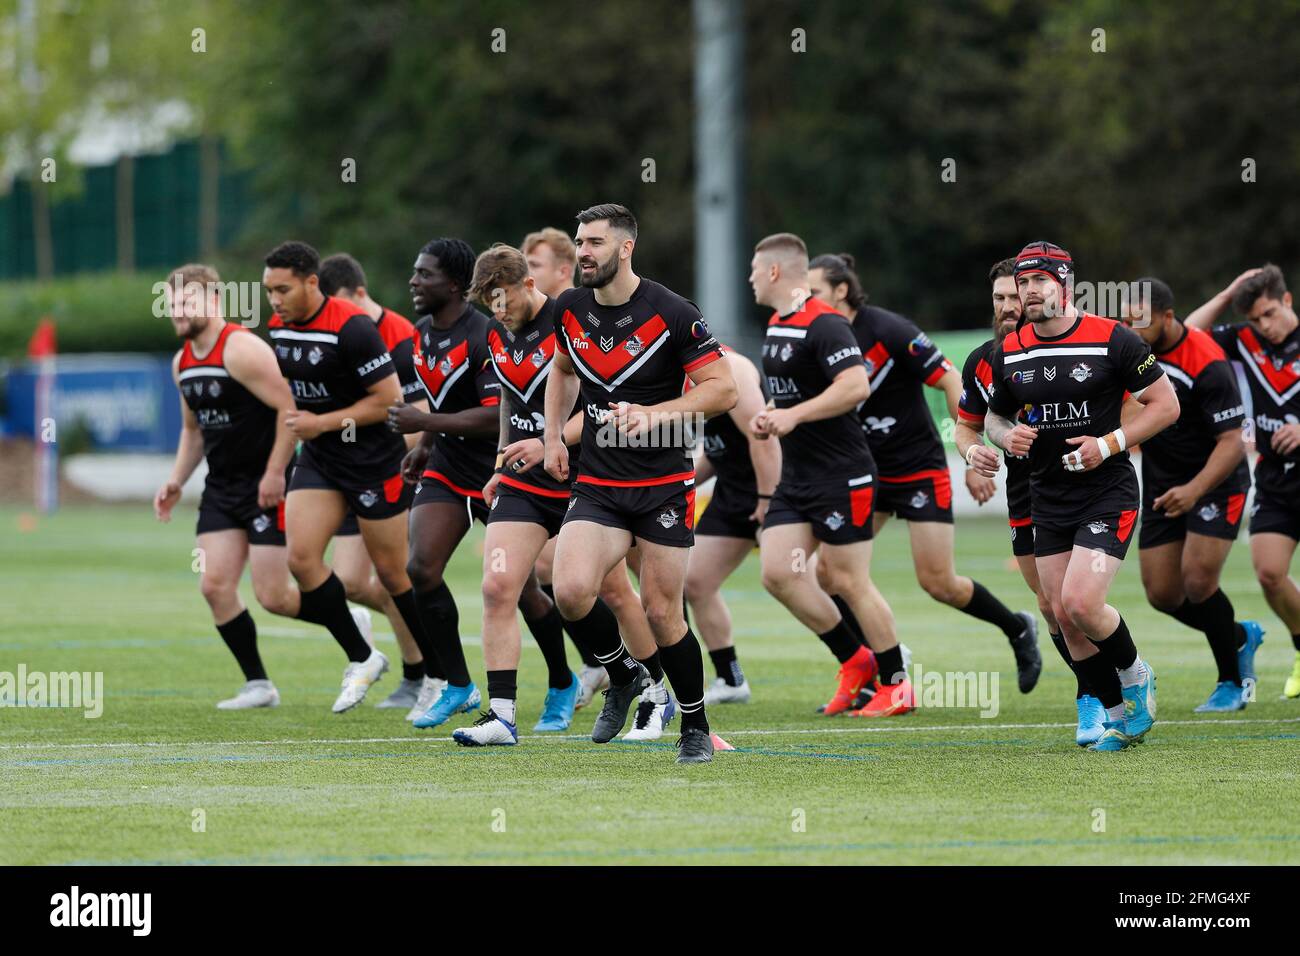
{"x":1111,"y":444}
{"x":501,"y":460}
{"x":761,"y":495}
{"x":970,"y":451}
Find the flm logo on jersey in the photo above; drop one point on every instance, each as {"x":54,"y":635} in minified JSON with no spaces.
{"x":1081,"y":372}
{"x":668,"y":518}
{"x":834,"y":521}
{"x":367,"y":498}
{"x":1209,"y":512}
{"x":315,"y":355}
{"x":1098,"y":527}
{"x":1049,"y":373}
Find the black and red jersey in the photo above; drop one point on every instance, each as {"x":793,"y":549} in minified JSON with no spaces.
{"x":523,"y":362}
{"x":976,"y":381}
{"x":399,"y":335}
{"x":1209,"y":404}
{"x":1273,"y":376}
{"x":638,"y":353}
{"x":238,"y":428}
{"x":802,"y":354}
{"x":1069,"y":386}
{"x":901,"y":360}
{"x":455,"y":367}
{"x":330,"y":361}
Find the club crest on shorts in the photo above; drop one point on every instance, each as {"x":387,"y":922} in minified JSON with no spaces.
{"x":261,"y":523}
{"x":315,"y":355}
{"x":1013,"y":533}
{"x":834,"y":521}
{"x":1209,"y":512}
{"x":1098,"y":527}
{"x":919,"y":500}
{"x":367,"y":498}
{"x":1081,"y":372}
{"x":668,"y":518}
{"x":496,"y":500}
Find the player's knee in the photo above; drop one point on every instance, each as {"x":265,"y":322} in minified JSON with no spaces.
{"x":353,"y":585}
{"x":697,"y":590}
{"x":665,"y":619}
{"x":778,"y":582}
{"x":1200,"y":584}
{"x":424,"y":575}
{"x":1045,"y":609}
{"x":1162,"y":597}
{"x":1271,"y":578}
{"x":392,"y":577}
{"x":499,"y":592}
{"x":534,"y":603}
{"x":276,"y":600}
{"x":574,"y":600}
{"x":1082,"y":610}
{"x":302,"y":564}
{"x":941,"y":587}
{"x":217,"y":590}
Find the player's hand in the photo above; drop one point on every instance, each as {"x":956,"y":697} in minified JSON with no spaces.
{"x":413,"y":464}
{"x":1020,"y":439}
{"x":405,"y":419}
{"x":304,"y":425}
{"x":1176,"y":501}
{"x":270,"y":490}
{"x":1286,"y":439}
{"x":779,"y":422}
{"x":758,"y":425}
{"x":490,"y":489}
{"x":1085,"y":457}
{"x":557,"y":460}
{"x":760,"y":510}
{"x":1236,"y":283}
{"x":980,"y":485}
{"x":165,"y":500}
{"x":628,"y":418}
{"x":985,"y":462}
{"x":522,"y":455}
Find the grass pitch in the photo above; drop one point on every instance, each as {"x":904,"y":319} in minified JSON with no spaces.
{"x":163,"y":777}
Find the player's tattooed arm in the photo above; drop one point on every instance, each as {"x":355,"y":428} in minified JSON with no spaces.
{"x":979,"y":458}
{"x":561,"y":392}
{"x":189,"y":452}
{"x":1008,"y":435}
{"x":252,"y":364}
{"x":1204,"y":317}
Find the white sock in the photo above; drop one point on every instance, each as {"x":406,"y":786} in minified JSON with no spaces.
{"x":503,"y":707}
{"x":1115,"y":713}
{"x":1135,"y":673}
{"x":656,"y":692}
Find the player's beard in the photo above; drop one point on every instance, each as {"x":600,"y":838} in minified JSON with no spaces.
{"x":603,"y":275}
{"x":195,"y":326}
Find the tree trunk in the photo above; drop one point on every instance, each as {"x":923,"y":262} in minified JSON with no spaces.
{"x":125,"y":213}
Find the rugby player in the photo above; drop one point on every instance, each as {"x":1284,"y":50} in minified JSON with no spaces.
{"x":552,"y":259}
{"x":452,"y":460}
{"x":233,"y":403}
{"x":1083,"y":489}
{"x":631,"y":340}
{"x":746,"y":470}
{"x":912,"y":478}
{"x":823,"y":503}
{"x":342,"y":276}
{"x":1194,"y":485}
{"x":976,"y":379}
{"x":1268,"y":345}
{"x":342,"y":379}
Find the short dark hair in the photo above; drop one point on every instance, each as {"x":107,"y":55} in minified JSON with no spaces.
{"x":1006,"y":269}
{"x":298,"y":256}
{"x":1158,"y":295}
{"x":618,"y":217}
{"x":341,"y":271}
{"x":838,"y":269}
{"x":500,"y":266}
{"x":1268,"y":284}
{"x":455,"y":259}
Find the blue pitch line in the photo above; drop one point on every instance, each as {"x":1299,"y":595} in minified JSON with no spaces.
{"x":719,"y":850}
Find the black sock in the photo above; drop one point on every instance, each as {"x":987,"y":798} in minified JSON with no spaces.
{"x":601,"y":608}
{"x":441,"y":622}
{"x":327,"y":605}
{"x":240,"y":635}
{"x":1118,"y":650}
{"x":846,"y":612}
{"x":548,"y":632}
{"x":1080,"y":684}
{"x":1185,"y":614}
{"x":728,"y":668}
{"x":1295,"y":639}
{"x":412,"y":671}
{"x":891,"y":664}
{"x":1102,"y":679}
{"x":841,"y":641}
{"x":504,"y":685}
{"x":593,"y":632}
{"x":1216,"y":619}
{"x":410,"y":611}
{"x":654,"y":665}
{"x":986,"y":607}
{"x":685,"y":668}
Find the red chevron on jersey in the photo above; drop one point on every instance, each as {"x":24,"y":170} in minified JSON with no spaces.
{"x":439,"y":379}
{"x":521,"y":370}
{"x":1280,"y":380}
{"x":606,"y":364}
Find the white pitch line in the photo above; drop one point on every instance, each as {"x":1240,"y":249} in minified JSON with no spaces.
{"x":329,"y":741}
